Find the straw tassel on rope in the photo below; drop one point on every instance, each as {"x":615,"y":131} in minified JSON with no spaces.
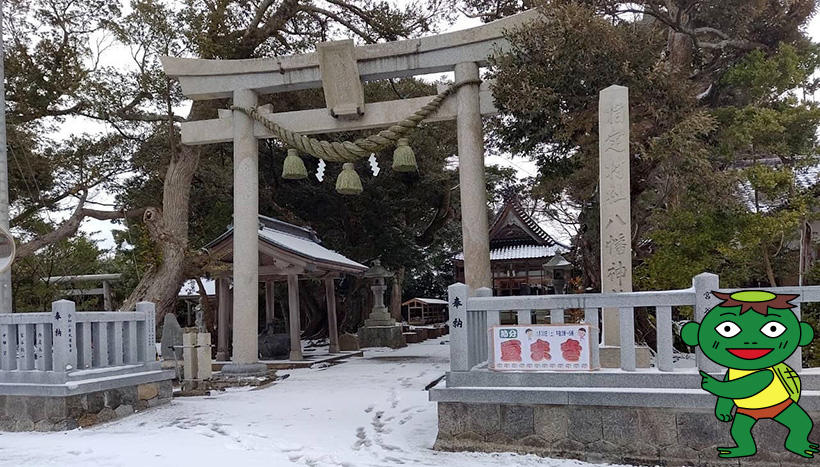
{"x":348,"y":182}
{"x":294,"y":167}
{"x":404,"y":160}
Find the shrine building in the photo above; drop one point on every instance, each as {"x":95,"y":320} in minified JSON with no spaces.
{"x":524,"y":259}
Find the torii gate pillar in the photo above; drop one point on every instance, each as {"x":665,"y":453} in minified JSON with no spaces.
{"x":472,"y":186}
{"x":245,"y":357}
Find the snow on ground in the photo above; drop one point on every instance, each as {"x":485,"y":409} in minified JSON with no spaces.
{"x":370,"y":411}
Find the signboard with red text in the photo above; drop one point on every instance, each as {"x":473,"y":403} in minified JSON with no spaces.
{"x":552,"y":347}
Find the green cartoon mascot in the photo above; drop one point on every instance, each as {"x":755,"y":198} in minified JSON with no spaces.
{"x":752,"y":333}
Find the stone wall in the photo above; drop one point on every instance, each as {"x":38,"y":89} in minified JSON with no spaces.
{"x":57,"y":413}
{"x":632,"y":435}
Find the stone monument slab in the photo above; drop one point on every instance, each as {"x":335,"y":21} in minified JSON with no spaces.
{"x":614,"y":197}
{"x":171,"y":336}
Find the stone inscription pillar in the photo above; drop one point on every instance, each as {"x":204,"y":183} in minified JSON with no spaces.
{"x":614,"y":195}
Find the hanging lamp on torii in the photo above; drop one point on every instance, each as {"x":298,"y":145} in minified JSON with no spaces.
{"x":340,"y":68}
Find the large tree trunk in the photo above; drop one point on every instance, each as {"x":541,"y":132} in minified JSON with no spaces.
{"x":169,"y":230}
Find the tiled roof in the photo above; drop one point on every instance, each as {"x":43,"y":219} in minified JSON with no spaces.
{"x":519,"y":252}
{"x":535,"y":229}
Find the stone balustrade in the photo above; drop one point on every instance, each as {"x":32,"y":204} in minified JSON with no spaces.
{"x":612,"y":414}
{"x":50,"y":361}
{"x":472,"y":316}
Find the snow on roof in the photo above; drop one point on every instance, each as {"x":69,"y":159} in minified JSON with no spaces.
{"x":519,"y":252}
{"x":305,"y":247}
{"x":301,"y":241}
{"x":557,"y":261}
{"x":190,"y":288}
{"x":807,"y":177}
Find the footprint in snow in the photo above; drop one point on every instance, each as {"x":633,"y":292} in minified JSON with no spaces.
{"x":362,"y":439}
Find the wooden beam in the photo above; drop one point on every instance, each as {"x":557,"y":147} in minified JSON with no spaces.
{"x":84,"y":277}
{"x":332,"y":330}
{"x":106,"y":296}
{"x":75,"y":292}
{"x":295,"y":322}
{"x":269,"y":297}
{"x":319,"y":121}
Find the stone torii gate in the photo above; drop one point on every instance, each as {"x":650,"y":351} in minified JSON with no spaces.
{"x":340,"y":68}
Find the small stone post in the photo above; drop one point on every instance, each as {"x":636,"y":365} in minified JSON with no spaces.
{"x":796,"y":359}
{"x":457,"y":299}
{"x":189,"y":357}
{"x":203,"y":355}
{"x":491,"y":318}
{"x":704,"y":283}
{"x":150,"y":329}
{"x":65,"y":350}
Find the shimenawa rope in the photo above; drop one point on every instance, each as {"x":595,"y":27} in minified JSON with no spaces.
{"x":350,"y":151}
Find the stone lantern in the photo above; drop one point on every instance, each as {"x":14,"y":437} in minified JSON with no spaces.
{"x":380,"y":315}
{"x":558,"y":267}
{"x":380,"y":329}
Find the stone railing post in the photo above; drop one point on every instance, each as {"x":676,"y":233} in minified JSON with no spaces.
{"x":459,"y":352}
{"x":796,"y":359}
{"x":64,"y":341}
{"x":150,"y":330}
{"x":486,"y":319}
{"x":704,"y":283}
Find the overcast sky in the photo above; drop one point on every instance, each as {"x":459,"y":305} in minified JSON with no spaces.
{"x":101,"y":230}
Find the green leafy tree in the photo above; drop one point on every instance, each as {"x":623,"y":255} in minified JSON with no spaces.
{"x":717,"y":128}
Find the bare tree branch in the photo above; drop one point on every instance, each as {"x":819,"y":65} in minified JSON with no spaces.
{"x":69,"y":226}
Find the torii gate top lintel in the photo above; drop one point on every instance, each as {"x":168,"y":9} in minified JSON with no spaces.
{"x":203,"y":79}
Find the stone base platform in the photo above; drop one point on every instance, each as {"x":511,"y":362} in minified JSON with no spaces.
{"x":643,"y":417}
{"x":58,"y":413}
{"x":630,"y":435}
{"x":382,"y":336}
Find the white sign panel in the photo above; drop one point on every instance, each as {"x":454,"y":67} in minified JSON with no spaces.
{"x":553,"y":347}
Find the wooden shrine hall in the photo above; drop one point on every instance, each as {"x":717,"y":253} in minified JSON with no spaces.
{"x":524,"y":259}
{"x":286,"y":253}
